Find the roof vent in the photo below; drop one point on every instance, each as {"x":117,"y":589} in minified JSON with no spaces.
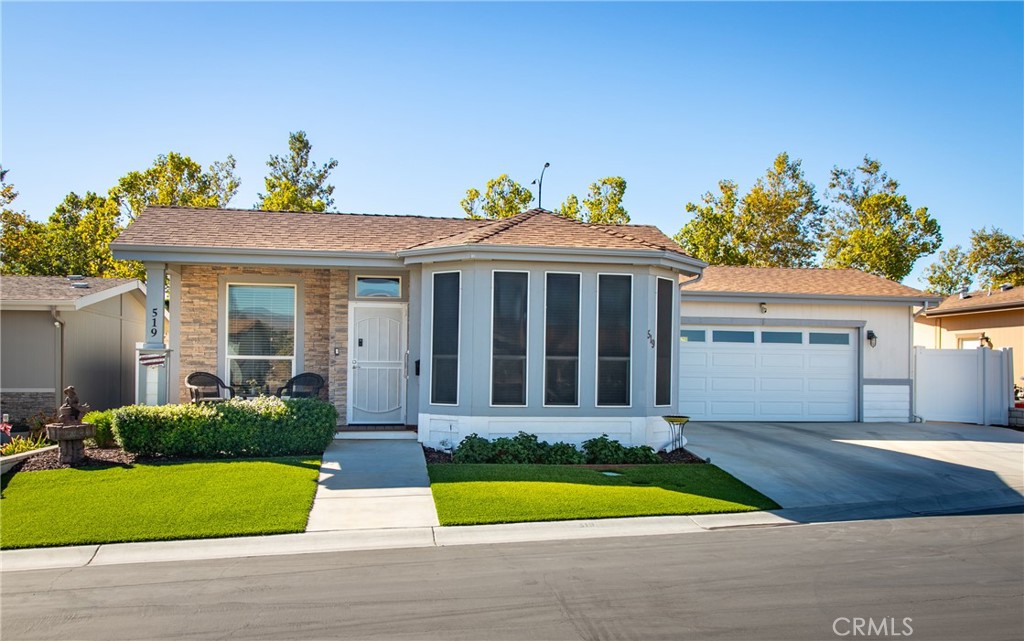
{"x":76,"y":277}
{"x":80,"y":285}
{"x":1005,"y":287}
{"x":964,"y":293}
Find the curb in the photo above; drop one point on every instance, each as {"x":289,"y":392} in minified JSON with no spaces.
{"x":445,"y":536}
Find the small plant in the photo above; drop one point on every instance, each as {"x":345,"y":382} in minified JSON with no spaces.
{"x":37,"y":423}
{"x":21,"y":445}
{"x":603,"y":450}
{"x":563,"y":454}
{"x":104,"y":422}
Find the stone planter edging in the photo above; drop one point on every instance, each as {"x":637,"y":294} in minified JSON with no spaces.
{"x":7,"y":462}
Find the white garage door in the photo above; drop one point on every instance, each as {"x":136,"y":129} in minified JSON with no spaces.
{"x":767,"y":374}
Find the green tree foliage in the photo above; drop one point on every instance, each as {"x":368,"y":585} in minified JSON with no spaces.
{"x":604,"y":202}
{"x":570,"y":208}
{"x":710,"y":235}
{"x":950,"y":273}
{"x":873,"y":227}
{"x":776,"y":224}
{"x":295,"y":183}
{"x":176,"y":179}
{"x":502,"y":198}
{"x":996,"y":257}
{"x":21,"y":238}
{"x":780,"y":218}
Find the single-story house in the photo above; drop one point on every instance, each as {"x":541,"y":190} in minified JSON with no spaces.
{"x":963,"y":321}
{"x":777,"y":344}
{"x":57,"y":331}
{"x":455,"y":326}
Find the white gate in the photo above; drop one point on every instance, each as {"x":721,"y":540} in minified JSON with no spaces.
{"x":963,"y":385}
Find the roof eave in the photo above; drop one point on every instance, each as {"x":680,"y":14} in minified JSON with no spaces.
{"x":261,"y":256}
{"x":784,"y":297}
{"x":73,"y":304}
{"x":663,"y":258}
{"x":998,"y":307}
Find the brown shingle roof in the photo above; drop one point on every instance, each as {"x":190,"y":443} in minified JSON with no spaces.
{"x":254,"y":229}
{"x":980,"y":301}
{"x":250,"y":229}
{"x":52,"y":288}
{"x":799,"y":281}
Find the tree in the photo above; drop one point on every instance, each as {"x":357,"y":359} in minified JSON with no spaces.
{"x":294,"y":182}
{"x":949,"y":274}
{"x":780,"y":218}
{"x":175,"y":179}
{"x":710,"y":235}
{"x":503,"y":198}
{"x":21,"y":238}
{"x":604,"y":202}
{"x":570,"y":208}
{"x":873,"y":227}
{"x":996,"y":257}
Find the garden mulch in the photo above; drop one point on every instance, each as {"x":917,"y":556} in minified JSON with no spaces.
{"x":95,"y":457}
{"x":678,"y":456}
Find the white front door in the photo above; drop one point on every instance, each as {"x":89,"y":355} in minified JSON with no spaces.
{"x":377,"y":369}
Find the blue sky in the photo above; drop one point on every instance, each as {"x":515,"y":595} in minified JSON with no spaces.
{"x":420,"y":101}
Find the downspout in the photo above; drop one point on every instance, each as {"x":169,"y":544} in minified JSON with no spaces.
{"x":59,"y":324}
{"x":914,"y":418}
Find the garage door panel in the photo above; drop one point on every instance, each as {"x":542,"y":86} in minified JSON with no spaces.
{"x":782,"y":384}
{"x":729,"y":384}
{"x":782,"y":361}
{"x":693,"y":359}
{"x":769,"y":381}
{"x":727,"y":359}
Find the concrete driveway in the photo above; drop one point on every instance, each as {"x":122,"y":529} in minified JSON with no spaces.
{"x":819,"y":464}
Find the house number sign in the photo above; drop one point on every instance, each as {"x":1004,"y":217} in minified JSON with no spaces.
{"x":155,"y":315}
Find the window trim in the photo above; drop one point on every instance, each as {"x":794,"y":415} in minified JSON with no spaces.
{"x":526,"y":362}
{"x":430,"y":350}
{"x":401,"y":287}
{"x":597,"y":341}
{"x":579,"y":340}
{"x":224,"y":323}
{"x":674,"y":348}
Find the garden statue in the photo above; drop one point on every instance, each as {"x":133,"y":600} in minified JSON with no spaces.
{"x":70,"y":433}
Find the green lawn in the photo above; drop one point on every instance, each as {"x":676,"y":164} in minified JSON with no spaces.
{"x":160,"y":501}
{"x":472,"y":494}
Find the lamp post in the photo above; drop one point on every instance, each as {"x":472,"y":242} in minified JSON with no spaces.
{"x":540,"y":184}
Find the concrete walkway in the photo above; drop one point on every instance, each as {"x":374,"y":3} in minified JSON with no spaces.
{"x":372,"y":485}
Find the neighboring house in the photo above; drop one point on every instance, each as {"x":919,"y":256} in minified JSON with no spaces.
{"x":961,"y":321}
{"x":534,"y":323}
{"x":774,"y":344}
{"x":57,"y":331}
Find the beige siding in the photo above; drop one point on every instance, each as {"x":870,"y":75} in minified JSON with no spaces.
{"x":1005,"y":328}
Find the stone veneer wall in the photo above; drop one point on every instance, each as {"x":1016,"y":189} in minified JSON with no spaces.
{"x":325,"y":322}
{"x":24,"y":405}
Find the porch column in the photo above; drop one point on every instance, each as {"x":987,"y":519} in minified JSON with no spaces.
{"x":155,"y":273}
{"x":151,"y":365}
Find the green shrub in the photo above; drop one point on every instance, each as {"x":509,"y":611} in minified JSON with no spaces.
{"x":473,"y":449}
{"x":19,"y":445}
{"x":104,"y":422}
{"x":603,"y":450}
{"x":562,"y":454}
{"x":641,"y":455}
{"x":265,"y":426}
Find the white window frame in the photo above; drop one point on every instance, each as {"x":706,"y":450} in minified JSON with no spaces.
{"x":579,"y":339}
{"x":430,"y":350}
{"x":401,"y":287}
{"x":597,"y":342}
{"x":296,"y":343}
{"x":526,"y":362}
{"x":672,"y":351}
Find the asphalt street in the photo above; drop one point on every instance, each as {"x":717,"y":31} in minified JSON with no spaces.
{"x":948,"y":577}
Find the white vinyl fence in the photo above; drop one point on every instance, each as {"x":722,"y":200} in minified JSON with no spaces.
{"x":963,"y":385}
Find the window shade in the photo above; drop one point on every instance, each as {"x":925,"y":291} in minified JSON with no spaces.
{"x":664,"y":343}
{"x":562,"y":339}
{"x":614,"y":302}
{"x":444,"y":370}
{"x":508,"y":368}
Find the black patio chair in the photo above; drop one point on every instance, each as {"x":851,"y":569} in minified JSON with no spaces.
{"x":207,"y":388}
{"x":305,"y":385}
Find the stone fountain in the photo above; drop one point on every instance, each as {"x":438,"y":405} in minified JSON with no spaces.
{"x":71,"y":432}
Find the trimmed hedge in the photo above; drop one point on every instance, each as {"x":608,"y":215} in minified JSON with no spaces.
{"x":265,"y":426}
{"x":526,"y":449}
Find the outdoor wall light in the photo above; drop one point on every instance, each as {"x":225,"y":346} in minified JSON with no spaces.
{"x":872,"y":338}
{"x":764,"y":308}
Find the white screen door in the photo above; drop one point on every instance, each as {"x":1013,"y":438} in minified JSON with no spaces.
{"x":377,"y":370}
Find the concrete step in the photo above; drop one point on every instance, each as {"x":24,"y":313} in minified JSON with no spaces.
{"x":375,"y":435}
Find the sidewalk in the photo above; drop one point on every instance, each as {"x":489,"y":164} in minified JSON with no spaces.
{"x":371,"y":485}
